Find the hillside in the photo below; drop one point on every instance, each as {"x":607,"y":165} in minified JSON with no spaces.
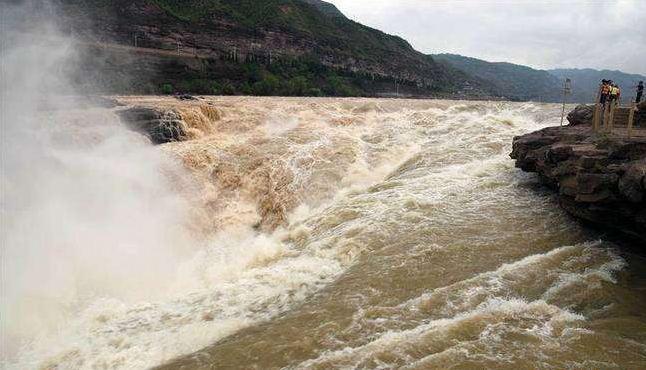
{"x":514,"y":82}
{"x":588,"y":80}
{"x":269,"y":30}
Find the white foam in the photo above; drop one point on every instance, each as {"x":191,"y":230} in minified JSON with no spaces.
{"x":491,"y":311}
{"x":240,"y":277}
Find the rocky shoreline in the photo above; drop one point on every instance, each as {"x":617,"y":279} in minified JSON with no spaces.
{"x":600,"y":177}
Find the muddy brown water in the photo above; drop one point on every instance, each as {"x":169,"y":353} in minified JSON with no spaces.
{"x":374,"y":234}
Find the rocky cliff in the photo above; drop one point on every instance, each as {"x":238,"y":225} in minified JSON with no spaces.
{"x":601,"y":178}
{"x":249,"y":29}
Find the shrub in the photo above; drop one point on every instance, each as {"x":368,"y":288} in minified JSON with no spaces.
{"x":245,"y":88}
{"x":335,"y":86}
{"x":214,"y":88}
{"x":252,"y":73}
{"x":268,"y":86}
{"x":314,"y":92}
{"x":227,"y":88}
{"x":167,"y":89}
{"x":297,"y":86}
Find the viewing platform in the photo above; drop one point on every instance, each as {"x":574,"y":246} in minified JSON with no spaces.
{"x":627,"y":120}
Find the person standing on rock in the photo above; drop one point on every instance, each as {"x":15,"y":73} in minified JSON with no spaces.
{"x":605,"y":91}
{"x":614,"y":92}
{"x":640,"y":91}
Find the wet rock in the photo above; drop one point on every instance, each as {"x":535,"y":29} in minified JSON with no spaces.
{"x":581,"y":115}
{"x":185,"y":97}
{"x":601,"y":178}
{"x":160,"y":127}
{"x":632,"y":184}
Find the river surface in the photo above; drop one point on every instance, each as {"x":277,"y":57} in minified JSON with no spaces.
{"x":334,"y":234}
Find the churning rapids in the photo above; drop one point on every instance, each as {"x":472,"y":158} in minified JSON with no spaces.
{"x":306,"y":233}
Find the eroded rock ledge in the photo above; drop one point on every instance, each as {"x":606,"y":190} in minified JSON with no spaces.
{"x":159,"y":126}
{"x":601,"y":178}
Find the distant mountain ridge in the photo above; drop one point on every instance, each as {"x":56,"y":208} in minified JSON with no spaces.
{"x":517,"y":82}
{"x":512,"y":81}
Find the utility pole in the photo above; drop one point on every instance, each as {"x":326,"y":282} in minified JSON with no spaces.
{"x":566,"y":91}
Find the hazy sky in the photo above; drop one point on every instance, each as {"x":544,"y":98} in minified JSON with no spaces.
{"x":603,"y":34}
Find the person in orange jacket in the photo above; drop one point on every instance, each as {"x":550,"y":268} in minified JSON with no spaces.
{"x":605,"y":91}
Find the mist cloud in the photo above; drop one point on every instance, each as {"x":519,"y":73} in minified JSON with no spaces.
{"x":88,"y":208}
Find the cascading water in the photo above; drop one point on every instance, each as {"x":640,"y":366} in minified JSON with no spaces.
{"x":292,"y":233}
{"x":356,"y":233}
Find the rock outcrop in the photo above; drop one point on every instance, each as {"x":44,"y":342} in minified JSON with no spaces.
{"x":285,"y":29}
{"x":640,"y":114}
{"x":160,"y":127}
{"x":601,"y":178}
{"x":581,"y":115}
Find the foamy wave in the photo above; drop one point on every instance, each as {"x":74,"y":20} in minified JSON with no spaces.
{"x":440,"y":337}
{"x":287,"y":202}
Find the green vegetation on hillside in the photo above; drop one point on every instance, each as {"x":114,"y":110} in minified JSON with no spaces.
{"x":284,"y":77}
{"x":303,"y":29}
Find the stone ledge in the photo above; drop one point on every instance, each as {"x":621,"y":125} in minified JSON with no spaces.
{"x":601,"y":178}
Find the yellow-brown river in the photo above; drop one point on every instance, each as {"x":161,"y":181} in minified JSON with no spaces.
{"x":305,"y":233}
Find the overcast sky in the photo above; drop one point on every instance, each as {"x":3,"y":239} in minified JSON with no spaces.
{"x":603,"y":34}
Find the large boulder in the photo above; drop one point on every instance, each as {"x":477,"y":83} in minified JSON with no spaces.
{"x":160,"y":126}
{"x":581,"y":115}
{"x":632,"y":184}
{"x":600,"y":178}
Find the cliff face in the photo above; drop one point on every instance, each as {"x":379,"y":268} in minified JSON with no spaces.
{"x":247,"y":27}
{"x":601,"y":178}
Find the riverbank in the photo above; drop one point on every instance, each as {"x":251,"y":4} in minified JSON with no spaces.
{"x":600,"y":177}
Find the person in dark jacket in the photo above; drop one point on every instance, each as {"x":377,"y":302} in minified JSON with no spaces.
{"x":640,"y":91}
